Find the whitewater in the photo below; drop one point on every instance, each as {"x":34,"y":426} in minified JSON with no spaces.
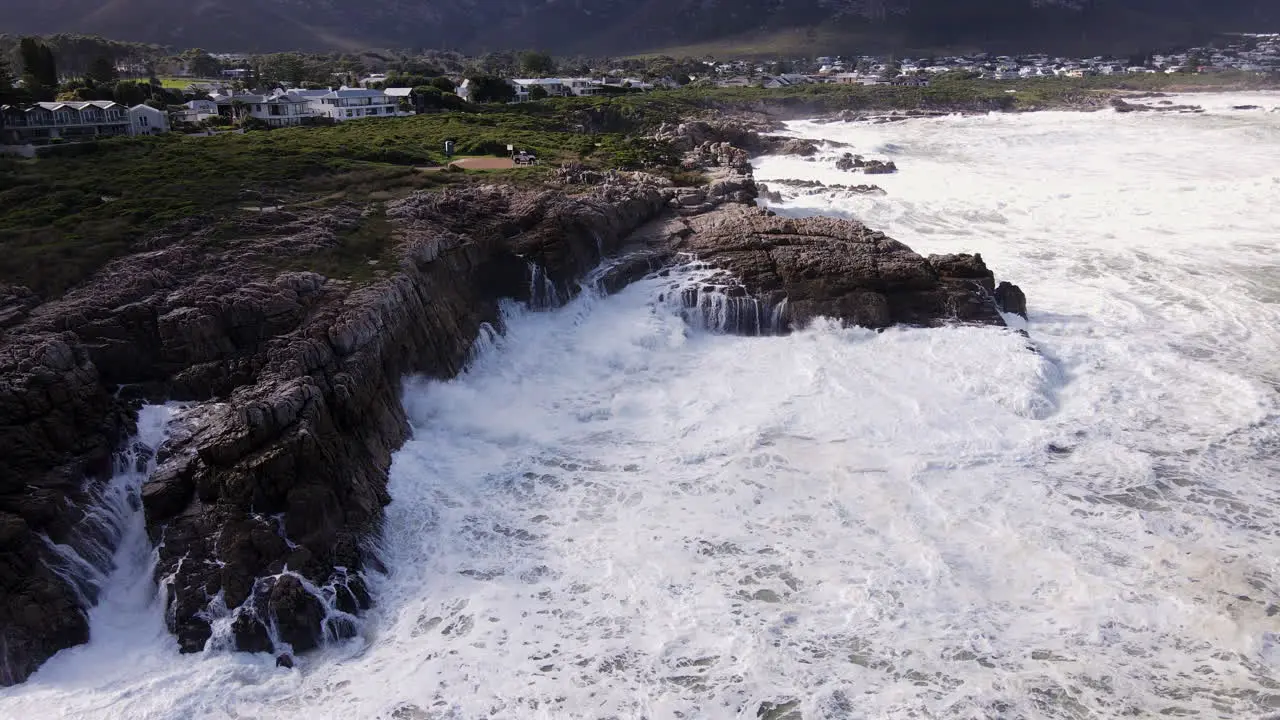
{"x":613,"y":514}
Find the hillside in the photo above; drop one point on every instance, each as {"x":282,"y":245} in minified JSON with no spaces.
{"x":630,"y":26}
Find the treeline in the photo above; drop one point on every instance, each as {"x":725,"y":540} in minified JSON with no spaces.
{"x":44,"y":77}
{"x":75,"y":53}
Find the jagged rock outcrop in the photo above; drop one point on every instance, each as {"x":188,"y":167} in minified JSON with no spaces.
{"x":791,"y":270}
{"x":304,"y":450}
{"x":58,"y":426}
{"x":277,"y":474}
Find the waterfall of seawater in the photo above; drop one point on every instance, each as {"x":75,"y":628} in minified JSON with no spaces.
{"x":620,"y":511}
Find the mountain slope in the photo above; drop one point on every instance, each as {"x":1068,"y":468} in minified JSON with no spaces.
{"x":625,"y":26}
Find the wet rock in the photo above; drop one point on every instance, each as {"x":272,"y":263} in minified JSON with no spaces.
{"x":779,"y":710}
{"x":766,"y":193}
{"x":830,"y":267}
{"x":58,"y":426}
{"x":250,"y":634}
{"x":284,"y":660}
{"x":1120,"y":105}
{"x":796,"y":146}
{"x":298,"y":615}
{"x":1009,"y":298}
{"x":853,"y":163}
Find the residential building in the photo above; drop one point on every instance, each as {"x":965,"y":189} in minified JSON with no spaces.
{"x":279,"y":109}
{"x":403,"y":99}
{"x":46,"y":121}
{"x":353,"y":103}
{"x":146,"y":120}
{"x":557,"y":87}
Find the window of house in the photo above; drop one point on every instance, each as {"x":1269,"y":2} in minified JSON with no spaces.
{"x":143,"y":120}
{"x":348,"y":113}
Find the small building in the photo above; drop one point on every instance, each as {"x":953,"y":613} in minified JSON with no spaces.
{"x":146,"y":120}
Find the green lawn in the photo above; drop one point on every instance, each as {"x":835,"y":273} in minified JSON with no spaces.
{"x":177,"y":83}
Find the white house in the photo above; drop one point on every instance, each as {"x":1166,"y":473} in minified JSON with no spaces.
{"x":353,"y":103}
{"x":146,"y":120}
{"x":276,"y":110}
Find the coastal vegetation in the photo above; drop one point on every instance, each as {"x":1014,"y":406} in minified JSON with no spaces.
{"x":77,"y":206}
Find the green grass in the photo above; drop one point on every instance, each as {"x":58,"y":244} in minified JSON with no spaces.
{"x":177,"y":83}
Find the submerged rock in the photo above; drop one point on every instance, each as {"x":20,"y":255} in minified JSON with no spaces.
{"x":853,"y":163}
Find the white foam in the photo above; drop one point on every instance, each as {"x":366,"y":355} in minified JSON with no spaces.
{"x":614,"y":515}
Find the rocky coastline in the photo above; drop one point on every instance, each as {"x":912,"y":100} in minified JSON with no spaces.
{"x":266,"y":497}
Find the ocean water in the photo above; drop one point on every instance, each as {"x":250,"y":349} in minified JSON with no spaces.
{"x":615,"y":515}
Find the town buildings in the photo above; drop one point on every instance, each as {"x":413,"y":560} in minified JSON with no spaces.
{"x":63,"y":121}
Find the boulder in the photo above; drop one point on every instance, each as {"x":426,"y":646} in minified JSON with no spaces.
{"x":298,"y":614}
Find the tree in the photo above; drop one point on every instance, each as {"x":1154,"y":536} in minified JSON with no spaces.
{"x":8,"y":95}
{"x":238,"y":110}
{"x":537,"y":64}
{"x":490,"y":89}
{"x":1195,"y":61}
{"x":500,"y":63}
{"x":537,"y":92}
{"x":892,"y":69}
{"x":201,"y":64}
{"x":6,"y":75}
{"x":38,"y":63}
{"x":283,"y":68}
{"x":444,"y":83}
{"x":102,"y":70}
{"x":129,"y":94}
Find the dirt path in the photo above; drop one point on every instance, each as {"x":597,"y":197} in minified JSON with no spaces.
{"x":484,"y":163}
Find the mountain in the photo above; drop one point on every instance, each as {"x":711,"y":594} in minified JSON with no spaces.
{"x":629,"y":26}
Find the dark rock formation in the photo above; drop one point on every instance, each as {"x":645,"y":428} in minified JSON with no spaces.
{"x":813,"y":187}
{"x":779,"y":273}
{"x":58,"y":426}
{"x":299,"y":381}
{"x":310,"y":440}
{"x":852,"y":163}
{"x":1122,"y":106}
{"x":1010,"y":299}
